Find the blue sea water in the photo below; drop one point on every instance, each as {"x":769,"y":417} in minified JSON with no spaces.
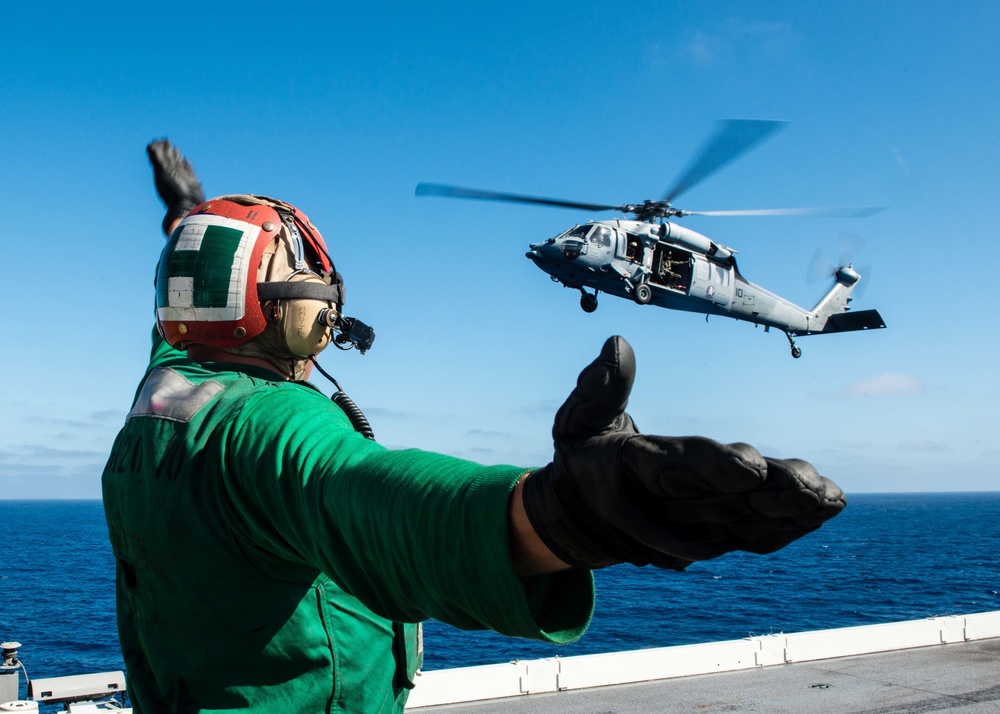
{"x":888,"y":557}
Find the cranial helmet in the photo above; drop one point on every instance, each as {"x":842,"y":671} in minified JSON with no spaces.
{"x":243,"y":267}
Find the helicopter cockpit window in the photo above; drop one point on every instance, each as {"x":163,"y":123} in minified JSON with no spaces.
{"x":601,"y":235}
{"x":579,"y":232}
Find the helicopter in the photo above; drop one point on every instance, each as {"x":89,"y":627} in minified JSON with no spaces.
{"x":655,"y":261}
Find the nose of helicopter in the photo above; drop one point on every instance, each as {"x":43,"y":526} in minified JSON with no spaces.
{"x":553,"y":249}
{"x":541,"y":251}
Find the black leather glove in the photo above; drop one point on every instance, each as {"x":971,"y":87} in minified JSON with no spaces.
{"x":614,"y":495}
{"x":175,"y":179}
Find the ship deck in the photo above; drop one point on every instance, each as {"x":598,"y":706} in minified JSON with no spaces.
{"x":939,"y":664}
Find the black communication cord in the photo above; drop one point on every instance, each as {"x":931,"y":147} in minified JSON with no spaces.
{"x":358,"y":420}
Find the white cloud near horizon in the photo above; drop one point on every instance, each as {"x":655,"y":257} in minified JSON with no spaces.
{"x":488,"y":434}
{"x":926,"y":446}
{"x":888,"y":384}
{"x":27,"y":453}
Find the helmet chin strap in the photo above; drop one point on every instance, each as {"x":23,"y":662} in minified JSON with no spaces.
{"x":269,"y":347}
{"x":281,"y":367}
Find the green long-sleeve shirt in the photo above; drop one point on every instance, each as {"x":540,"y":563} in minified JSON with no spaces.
{"x":265,"y":549}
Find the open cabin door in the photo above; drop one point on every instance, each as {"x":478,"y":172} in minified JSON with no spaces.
{"x":672,"y":268}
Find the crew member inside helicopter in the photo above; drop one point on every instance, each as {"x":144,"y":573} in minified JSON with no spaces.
{"x":673,"y":271}
{"x":634,"y":249}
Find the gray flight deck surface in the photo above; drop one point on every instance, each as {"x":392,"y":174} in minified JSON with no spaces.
{"x":941,"y":663}
{"x":959,"y":677}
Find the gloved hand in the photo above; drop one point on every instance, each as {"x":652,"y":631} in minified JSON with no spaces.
{"x":175,"y":179}
{"x":614,"y":495}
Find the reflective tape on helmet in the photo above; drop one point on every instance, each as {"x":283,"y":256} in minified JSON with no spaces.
{"x":203,"y":275}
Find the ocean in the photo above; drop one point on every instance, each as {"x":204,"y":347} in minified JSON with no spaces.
{"x":887,"y":557}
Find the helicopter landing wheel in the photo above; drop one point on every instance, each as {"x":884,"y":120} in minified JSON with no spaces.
{"x":642,"y":293}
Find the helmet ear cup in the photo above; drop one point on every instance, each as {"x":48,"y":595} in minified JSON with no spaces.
{"x":302,"y":333}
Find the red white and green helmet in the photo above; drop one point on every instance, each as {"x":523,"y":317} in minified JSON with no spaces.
{"x":229,"y":256}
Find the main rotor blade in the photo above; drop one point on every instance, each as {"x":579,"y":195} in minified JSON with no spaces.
{"x":436,"y":189}
{"x":733,"y":138}
{"x":832,"y":212}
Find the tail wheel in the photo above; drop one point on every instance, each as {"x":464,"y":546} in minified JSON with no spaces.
{"x":642,"y":294}
{"x":588,"y":302}
{"x":796,"y":351}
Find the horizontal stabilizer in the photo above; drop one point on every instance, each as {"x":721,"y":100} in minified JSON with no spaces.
{"x":852,"y":321}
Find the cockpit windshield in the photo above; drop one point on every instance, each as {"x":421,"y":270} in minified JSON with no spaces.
{"x":601,"y":235}
{"x":598,"y":234}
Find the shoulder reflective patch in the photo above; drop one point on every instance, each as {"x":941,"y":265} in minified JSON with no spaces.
{"x":205,"y":268}
{"x":170,"y":395}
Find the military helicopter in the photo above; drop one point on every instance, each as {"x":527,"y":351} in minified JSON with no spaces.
{"x":654,"y":261}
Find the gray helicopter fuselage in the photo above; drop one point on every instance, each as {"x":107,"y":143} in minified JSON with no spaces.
{"x":655,"y":262}
{"x":684,"y":270}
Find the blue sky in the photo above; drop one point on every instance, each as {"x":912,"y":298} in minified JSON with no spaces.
{"x":342,"y":110}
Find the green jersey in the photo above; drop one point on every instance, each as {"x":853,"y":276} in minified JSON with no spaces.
{"x":270,"y":558}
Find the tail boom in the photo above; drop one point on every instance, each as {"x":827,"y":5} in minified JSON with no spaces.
{"x":831,"y":313}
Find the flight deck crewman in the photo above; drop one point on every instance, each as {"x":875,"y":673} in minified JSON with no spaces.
{"x":272,"y":558}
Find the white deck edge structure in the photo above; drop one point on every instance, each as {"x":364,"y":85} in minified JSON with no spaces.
{"x":525,"y":677}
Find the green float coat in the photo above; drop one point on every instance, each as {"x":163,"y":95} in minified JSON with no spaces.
{"x":265,"y":549}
